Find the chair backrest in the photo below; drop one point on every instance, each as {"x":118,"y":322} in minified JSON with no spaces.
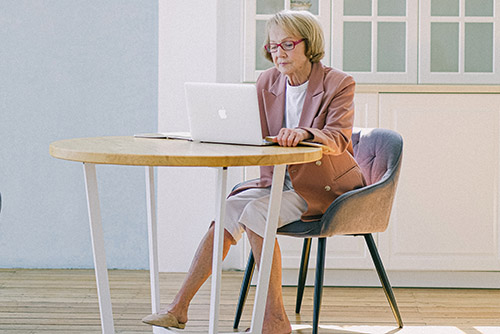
{"x":364,"y":210}
{"x":377,"y":152}
{"x":367,"y":210}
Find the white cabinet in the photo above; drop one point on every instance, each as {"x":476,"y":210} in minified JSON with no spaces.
{"x":366,"y":110}
{"x":445,"y":215}
{"x":444,"y":228}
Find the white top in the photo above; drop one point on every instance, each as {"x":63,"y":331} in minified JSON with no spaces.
{"x":295,"y":96}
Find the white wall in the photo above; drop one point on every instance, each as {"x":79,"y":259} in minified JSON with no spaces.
{"x":198,"y":41}
{"x":73,"y":69}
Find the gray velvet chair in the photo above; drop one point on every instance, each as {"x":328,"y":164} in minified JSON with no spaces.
{"x":359,"y":212}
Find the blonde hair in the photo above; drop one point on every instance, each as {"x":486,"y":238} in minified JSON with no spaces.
{"x":303,"y":24}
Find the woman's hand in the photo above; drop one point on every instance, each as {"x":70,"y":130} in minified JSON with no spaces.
{"x":291,"y":137}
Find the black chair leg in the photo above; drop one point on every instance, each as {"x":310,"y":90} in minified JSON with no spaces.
{"x":245,"y":285}
{"x":304,"y":263}
{"x":383,"y":278}
{"x":318,"y":285}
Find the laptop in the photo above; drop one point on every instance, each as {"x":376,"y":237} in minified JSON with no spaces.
{"x":224,"y":113}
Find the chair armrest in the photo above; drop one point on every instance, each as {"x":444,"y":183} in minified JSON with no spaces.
{"x":361,"y":211}
{"x":242,"y":184}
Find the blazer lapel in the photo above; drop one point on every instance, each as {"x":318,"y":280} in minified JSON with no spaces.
{"x":274,"y":102}
{"x":314,"y":95}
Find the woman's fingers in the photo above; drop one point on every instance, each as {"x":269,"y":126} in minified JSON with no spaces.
{"x":290,"y":137}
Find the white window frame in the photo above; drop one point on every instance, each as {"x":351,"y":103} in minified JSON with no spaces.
{"x":418,"y":23}
{"x":460,"y":77}
{"x":409,"y":76}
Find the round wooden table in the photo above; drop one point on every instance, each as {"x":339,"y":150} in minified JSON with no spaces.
{"x":164,"y":152}
{"x":168,"y":152}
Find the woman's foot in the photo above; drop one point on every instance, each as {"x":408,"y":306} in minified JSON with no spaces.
{"x":164,"y":320}
{"x":274,"y":330}
{"x":277,"y":328}
{"x":276,"y":324}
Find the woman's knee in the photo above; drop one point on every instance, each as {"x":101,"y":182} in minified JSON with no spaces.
{"x":230,"y":237}
{"x":255,"y":210}
{"x":227,"y":235}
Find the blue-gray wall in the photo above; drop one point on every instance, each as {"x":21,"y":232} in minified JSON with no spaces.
{"x":73,"y":68}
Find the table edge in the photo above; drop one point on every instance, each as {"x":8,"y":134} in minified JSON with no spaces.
{"x":312,"y":154}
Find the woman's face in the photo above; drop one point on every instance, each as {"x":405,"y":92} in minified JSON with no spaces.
{"x":294,"y":63}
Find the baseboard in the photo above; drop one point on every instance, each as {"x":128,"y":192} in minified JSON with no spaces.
{"x":417,"y":279}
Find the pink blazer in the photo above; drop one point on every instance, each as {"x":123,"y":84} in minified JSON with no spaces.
{"x":328,"y":114}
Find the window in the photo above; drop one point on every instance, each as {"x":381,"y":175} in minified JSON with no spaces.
{"x":394,"y":41}
{"x":375,"y":41}
{"x":458,"y":41}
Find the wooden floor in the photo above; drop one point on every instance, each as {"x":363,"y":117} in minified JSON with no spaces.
{"x":65,"y":301}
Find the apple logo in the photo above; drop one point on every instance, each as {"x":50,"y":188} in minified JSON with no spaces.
{"x":222,"y":113}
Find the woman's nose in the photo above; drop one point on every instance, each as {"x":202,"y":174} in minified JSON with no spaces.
{"x":280,"y":52}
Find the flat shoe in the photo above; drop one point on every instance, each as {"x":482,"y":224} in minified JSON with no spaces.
{"x":163,"y":320}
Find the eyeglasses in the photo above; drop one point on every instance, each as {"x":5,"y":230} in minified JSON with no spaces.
{"x":286,"y":45}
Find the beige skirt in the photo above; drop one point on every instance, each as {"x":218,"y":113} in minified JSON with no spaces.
{"x":248,"y":210}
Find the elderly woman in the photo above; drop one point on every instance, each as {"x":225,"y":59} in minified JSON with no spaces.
{"x":299,"y":99}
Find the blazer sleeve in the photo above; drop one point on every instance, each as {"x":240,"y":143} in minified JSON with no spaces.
{"x":333,"y":124}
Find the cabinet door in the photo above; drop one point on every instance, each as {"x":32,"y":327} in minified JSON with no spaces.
{"x":459,"y":42}
{"x":445,"y":215}
{"x":366,"y":106}
{"x":376,"y":40}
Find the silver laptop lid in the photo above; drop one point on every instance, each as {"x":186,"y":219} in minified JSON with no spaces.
{"x":223,"y":113}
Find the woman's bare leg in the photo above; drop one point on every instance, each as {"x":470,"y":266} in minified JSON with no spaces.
{"x":275,"y":318}
{"x":199,"y":271}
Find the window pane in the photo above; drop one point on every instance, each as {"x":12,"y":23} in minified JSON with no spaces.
{"x":478,"y":7}
{"x":479,"y":47}
{"x":261,"y":63}
{"x":391,"y":47}
{"x":392,"y":7}
{"x":310,"y":5}
{"x":269,"y":6}
{"x":444,"y":47}
{"x":357,"y":51}
{"x":444,"y":7}
{"x":358,"y":7}
{"x":314,"y":7}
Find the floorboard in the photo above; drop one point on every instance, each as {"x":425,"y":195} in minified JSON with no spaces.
{"x":65,"y":301}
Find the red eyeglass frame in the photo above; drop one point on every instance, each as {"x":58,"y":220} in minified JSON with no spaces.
{"x":278,"y":45}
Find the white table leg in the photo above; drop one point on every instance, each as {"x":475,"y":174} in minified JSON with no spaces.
{"x":268,"y":249}
{"x":153,"y":248}
{"x":101,"y":270}
{"x":217,"y":252}
{"x":153,"y":240}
